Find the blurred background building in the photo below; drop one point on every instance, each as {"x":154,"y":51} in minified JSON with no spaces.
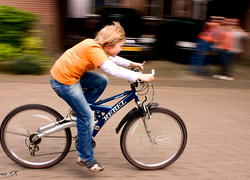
{"x":65,"y":22}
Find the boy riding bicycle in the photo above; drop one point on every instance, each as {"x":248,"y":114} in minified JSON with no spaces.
{"x":72,"y":72}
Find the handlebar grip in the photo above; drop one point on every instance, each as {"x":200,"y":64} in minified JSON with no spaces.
{"x":152,"y":71}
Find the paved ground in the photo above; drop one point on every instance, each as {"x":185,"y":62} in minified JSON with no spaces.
{"x":216,"y":114}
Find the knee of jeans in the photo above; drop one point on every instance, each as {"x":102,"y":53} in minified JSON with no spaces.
{"x":104,"y":80}
{"x":87,"y":120}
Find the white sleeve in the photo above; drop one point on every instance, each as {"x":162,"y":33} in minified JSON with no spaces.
{"x":120,"y":61}
{"x":120,"y":72}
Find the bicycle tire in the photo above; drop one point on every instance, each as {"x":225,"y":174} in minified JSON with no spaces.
{"x":22,"y":123}
{"x":170,"y":138}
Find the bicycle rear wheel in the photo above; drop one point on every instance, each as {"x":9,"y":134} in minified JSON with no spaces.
{"x":169,"y":137}
{"x":21,"y":125}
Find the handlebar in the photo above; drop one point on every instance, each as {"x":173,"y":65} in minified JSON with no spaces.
{"x":135,"y":84}
{"x":152,"y":71}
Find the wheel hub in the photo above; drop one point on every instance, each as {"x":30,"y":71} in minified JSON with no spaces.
{"x":32,"y":143}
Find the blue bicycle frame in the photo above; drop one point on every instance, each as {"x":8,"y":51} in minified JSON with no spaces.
{"x":104,"y":113}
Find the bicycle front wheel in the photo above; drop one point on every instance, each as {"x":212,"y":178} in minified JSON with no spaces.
{"x":21,"y":125}
{"x":156,"y":146}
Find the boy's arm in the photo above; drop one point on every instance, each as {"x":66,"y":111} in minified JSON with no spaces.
{"x":120,"y":61}
{"x":111,"y":68}
{"x":125,"y":62}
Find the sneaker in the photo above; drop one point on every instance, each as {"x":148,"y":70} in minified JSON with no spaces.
{"x":216,"y":76}
{"x":93,"y":166}
{"x":80,"y":161}
{"x":223,"y":77}
{"x":229,"y":78}
{"x":226,"y":78}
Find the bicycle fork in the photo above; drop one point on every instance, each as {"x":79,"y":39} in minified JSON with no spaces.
{"x":148,"y":130}
{"x":145,"y":116}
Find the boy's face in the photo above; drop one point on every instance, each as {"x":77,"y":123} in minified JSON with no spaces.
{"x":113,"y":51}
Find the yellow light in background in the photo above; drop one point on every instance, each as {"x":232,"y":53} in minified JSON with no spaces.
{"x":129,"y":48}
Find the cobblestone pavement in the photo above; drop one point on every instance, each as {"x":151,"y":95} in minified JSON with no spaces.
{"x":216,"y":114}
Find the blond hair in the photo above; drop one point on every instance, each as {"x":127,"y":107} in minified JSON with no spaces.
{"x":111,"y":34}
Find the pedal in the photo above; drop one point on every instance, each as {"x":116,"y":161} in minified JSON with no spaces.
{"x":72,"y":113}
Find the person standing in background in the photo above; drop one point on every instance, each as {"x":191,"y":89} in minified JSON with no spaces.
{"x":239,"y":35}
{"x":230,"y":45}
{"x":201,"y":55}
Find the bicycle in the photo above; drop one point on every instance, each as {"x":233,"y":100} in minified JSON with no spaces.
{"x":37,"y":136}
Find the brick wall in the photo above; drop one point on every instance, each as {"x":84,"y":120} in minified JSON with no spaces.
{"x":49,"y":19}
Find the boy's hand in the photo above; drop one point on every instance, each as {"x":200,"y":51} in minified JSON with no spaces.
{"x":146,"y":77}
{"x":137,"y":65}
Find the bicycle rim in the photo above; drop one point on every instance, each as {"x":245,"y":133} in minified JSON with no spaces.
{"x":169,"y":135}
{"x":23,"y":122}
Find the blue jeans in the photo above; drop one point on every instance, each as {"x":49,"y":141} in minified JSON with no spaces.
{"x":226,"y":60}
{"x":79,"y":101}
{"x":200,"y":57}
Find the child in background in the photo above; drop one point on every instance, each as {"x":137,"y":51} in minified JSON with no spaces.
{"x":230,"y":43}
{"x":205,"y":39}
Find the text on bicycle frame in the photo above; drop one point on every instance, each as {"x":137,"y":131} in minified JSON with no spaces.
{"x":114,"y":110}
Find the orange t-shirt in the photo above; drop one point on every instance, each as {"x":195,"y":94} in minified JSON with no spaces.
{"x":225,"y":40}
{"x":85,"y":56}
{"x":207,"y":35}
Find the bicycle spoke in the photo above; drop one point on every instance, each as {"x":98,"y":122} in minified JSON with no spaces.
{"x":25,"y":135}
